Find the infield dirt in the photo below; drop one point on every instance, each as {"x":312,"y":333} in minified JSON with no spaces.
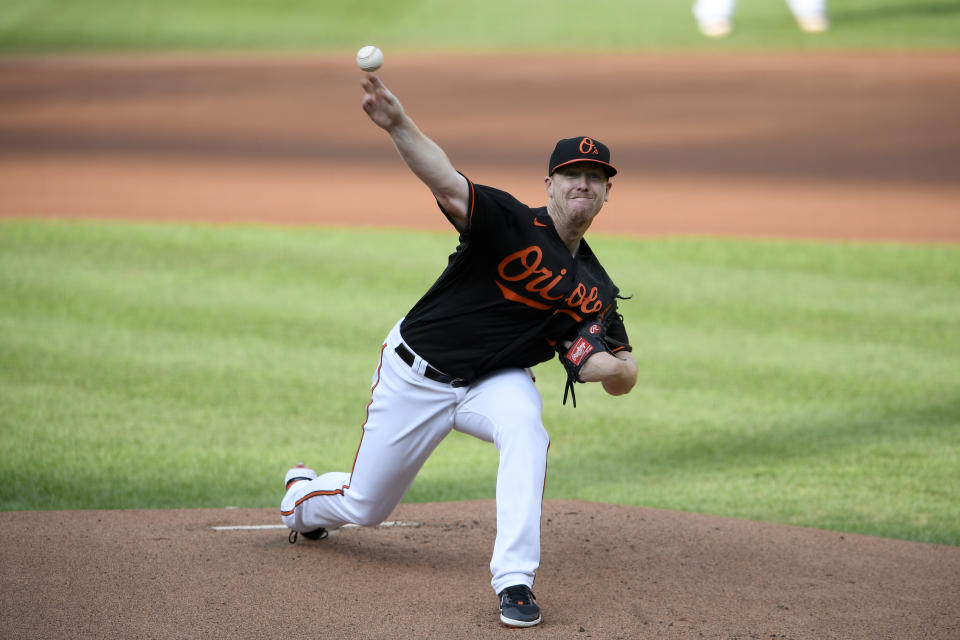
{"x":851,"y":147}
{"x":855,"y":146}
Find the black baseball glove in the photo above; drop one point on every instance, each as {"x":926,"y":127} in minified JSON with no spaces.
{"x":590,"y":338}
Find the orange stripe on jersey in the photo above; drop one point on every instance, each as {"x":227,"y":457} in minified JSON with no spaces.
{"x":472,"y":203}
{"x":516,"y":297}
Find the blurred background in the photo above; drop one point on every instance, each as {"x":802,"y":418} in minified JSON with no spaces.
{"x":250,"y":110}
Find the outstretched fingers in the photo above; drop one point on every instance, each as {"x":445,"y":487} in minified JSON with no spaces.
{"x":378,"y":103}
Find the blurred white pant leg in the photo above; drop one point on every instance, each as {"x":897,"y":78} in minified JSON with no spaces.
{"x":808,"y":8}
{"x":708,"y":11}
{"x":505,"y":409}
{"x":407,"y":418}
{"x":711,"y":11}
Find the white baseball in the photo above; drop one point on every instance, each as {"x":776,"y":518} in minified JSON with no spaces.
{"x":369,"y":58}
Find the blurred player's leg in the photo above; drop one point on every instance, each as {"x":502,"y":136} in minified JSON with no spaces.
{"x":714,"y":17}
{"x":811,"y":15}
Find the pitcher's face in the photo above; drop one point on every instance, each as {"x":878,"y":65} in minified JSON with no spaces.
{"x":578,"y":191}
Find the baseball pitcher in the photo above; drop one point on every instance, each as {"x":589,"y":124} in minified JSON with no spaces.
{"x":521,"y":286}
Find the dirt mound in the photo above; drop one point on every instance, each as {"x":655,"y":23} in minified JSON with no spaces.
{"x":607,"y":572}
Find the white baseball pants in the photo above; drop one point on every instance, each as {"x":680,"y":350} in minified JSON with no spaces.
{"x":407,"y":417}
{"x":715,"y":10}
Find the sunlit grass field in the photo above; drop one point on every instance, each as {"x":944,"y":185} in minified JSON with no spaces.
{"x":492,"y":25}
{"x":154,"y":366}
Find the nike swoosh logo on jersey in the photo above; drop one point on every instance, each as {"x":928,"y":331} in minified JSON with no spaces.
{"x":537,"y":223}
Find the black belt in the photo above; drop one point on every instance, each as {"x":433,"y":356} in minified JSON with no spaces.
{"x":434,"y":374}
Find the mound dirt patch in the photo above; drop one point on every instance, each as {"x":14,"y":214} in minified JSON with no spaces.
{"x":607,"y":572}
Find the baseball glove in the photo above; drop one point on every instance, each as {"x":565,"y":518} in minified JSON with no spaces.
{"x":591,"y":337}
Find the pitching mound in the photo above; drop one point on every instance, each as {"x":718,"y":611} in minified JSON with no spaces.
{"x":607,"y":572}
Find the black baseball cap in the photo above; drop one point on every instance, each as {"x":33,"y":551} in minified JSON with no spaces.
{"x":581,"y":149}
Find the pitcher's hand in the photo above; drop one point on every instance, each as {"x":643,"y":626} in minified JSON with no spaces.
{"x":381,"y":105}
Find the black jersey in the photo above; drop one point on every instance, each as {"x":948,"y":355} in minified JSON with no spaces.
{"x":509,"y":293}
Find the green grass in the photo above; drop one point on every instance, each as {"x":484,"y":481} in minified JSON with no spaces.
{"x":154,"y":366}
{"x":561,"y":25}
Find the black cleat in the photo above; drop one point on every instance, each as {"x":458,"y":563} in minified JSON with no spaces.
{"x":518,"y":607}
{"x":316,"y":534}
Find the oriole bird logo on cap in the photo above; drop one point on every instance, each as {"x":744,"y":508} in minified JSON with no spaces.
{"x":588,"y":148}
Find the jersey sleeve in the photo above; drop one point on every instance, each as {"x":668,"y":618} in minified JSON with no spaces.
{"x":471,"y":203}
{"x":618,"y":333}
{"x":490,"y":211}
